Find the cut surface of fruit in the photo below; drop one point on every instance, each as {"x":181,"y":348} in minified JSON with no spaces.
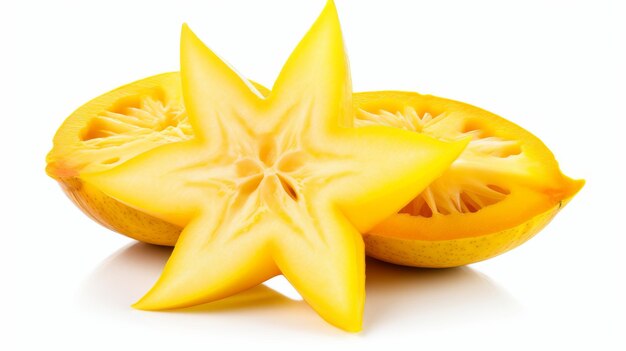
{"x":506,"y":179}
{"x":269,"y":185}
{"x":119,"y":125}
{"x":110,"y":130}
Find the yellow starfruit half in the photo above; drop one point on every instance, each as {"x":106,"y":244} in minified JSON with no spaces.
{"x":501,"y":191}
{"x":277,"y":184}
{"x":110,"y":130}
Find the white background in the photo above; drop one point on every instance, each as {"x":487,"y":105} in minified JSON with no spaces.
{"x":555,"y":67}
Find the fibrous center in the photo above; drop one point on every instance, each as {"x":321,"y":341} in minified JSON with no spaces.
{"x":463,"y":188}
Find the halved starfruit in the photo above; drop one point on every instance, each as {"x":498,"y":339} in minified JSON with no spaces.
{"x":502,"y":190}
{"x":110,"y":130}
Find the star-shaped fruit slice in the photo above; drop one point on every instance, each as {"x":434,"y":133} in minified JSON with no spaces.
{"x":282,"y":184}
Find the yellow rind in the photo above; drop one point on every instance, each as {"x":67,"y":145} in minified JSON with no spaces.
{"x":457,"y":252}
{"x":117,"y":216}
{"x":453,"y":253}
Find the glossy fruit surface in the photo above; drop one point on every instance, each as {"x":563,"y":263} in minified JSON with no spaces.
{"x":503,"y":189}
{"x":267,"y":185}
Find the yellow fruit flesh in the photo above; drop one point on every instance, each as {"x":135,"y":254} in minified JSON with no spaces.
{"x":501,"y":191}
{"x":119,"y":125}
{"x":272,"y":185}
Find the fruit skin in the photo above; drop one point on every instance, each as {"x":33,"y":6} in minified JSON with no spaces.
{"x":454,"y":252}
{"x":118,"y":217}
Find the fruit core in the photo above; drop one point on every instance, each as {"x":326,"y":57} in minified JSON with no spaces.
{"x":142,"y":117}
{"x":467,"y":186}
{"x":107,"y":133}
